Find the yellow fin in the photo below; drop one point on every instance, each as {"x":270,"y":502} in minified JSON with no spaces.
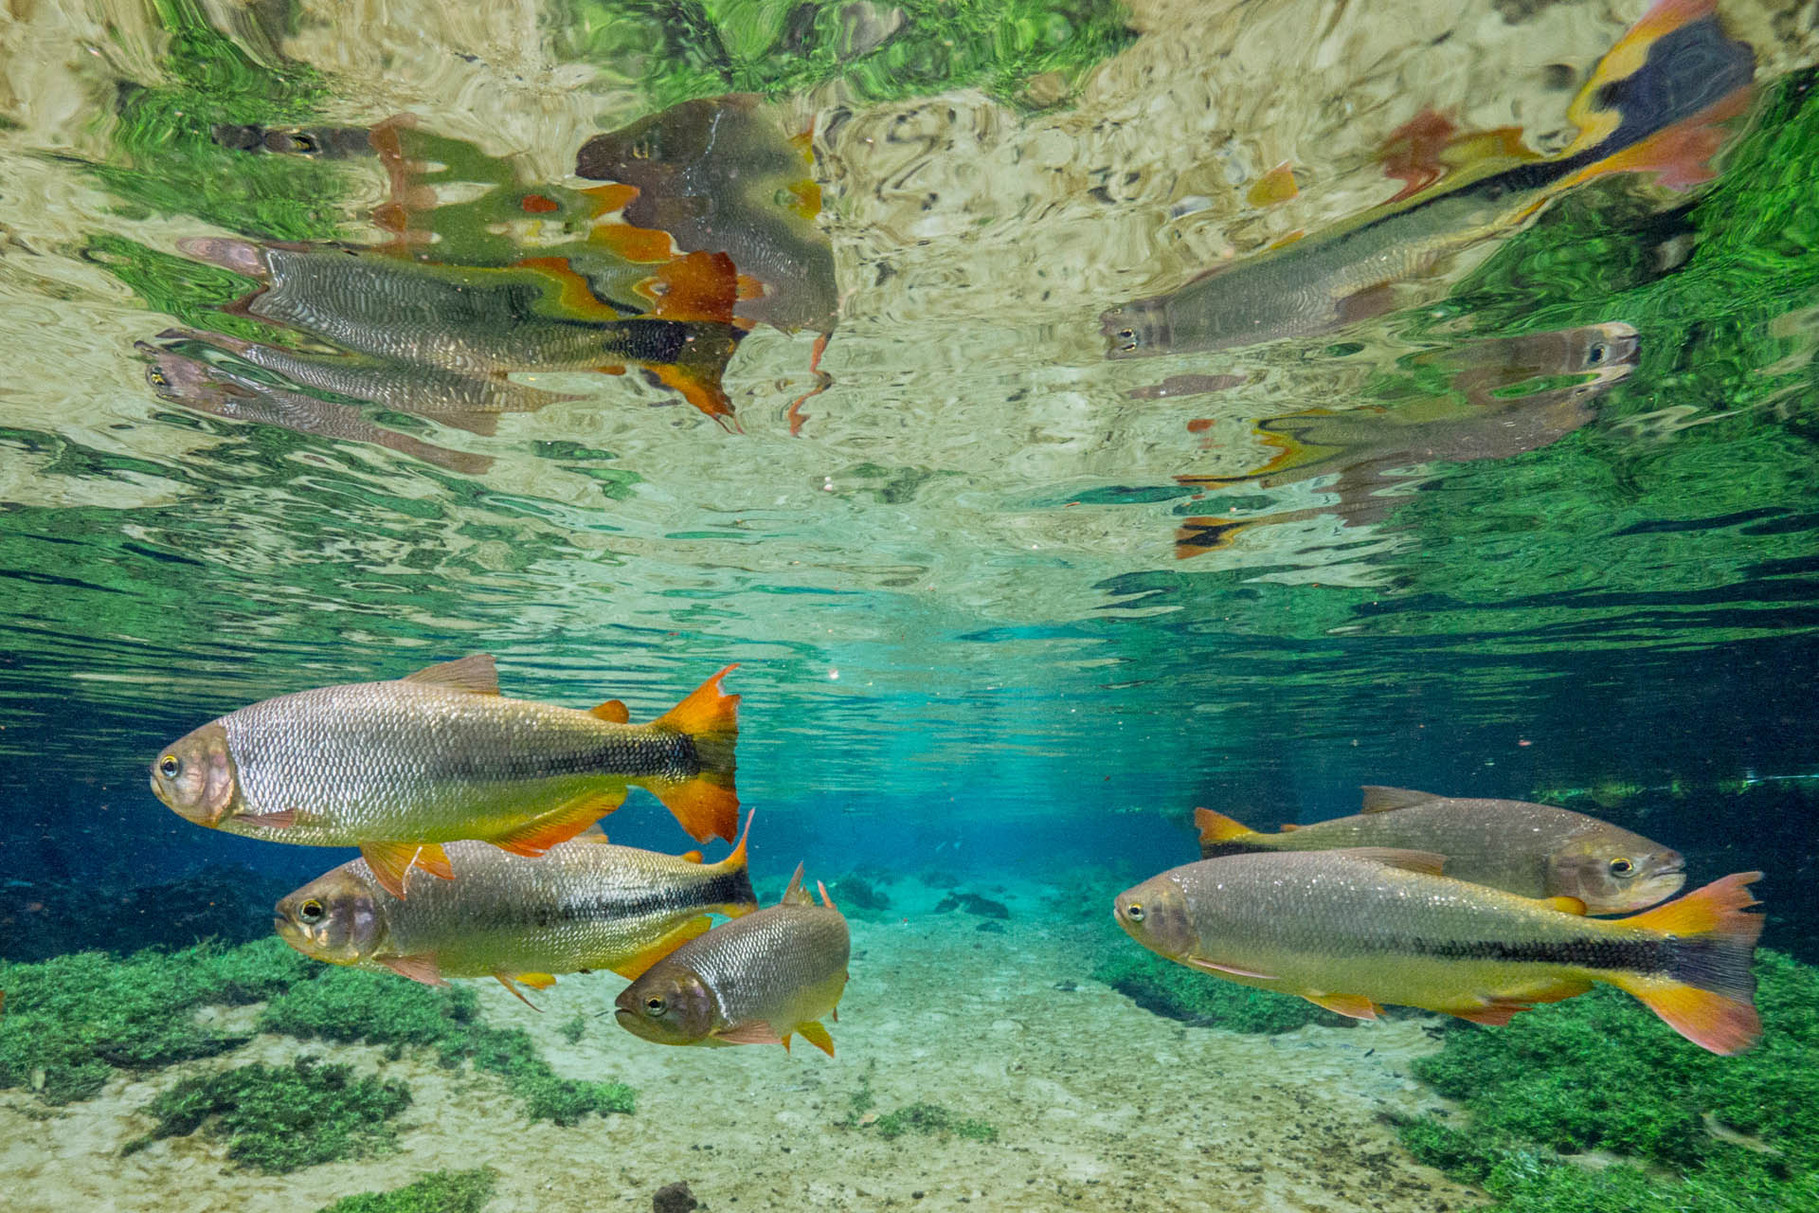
{"x":634,"y":968}
{"x":612,"y":711}
{"x":391,"y":863}
{"x":505,"y":979}
{"x":691,"y":857}
{"x":1217,"y":827}
{"x":559,"y":824}
{"x":817,"y":1035}
{"x":707,"y":805}
{"x":1565,"y":904}
{"x":474,"y":674}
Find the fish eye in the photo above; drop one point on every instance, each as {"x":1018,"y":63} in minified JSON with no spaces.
{"x":1621,"y":867}
{"x":655,"y":1005}
{"x":1596,"y":353}
{"x":169,"y":765}
{"x":310,"y":911}
{"x":1134,"y":911}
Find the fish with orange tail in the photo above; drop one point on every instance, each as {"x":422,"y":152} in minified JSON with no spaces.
{"x":586,"y":904}
{"x":1353,"y":929}
{"x":398,"y":768}
{"x":757,"y":980}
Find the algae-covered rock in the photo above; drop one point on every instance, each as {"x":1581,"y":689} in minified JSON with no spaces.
{"x":1601,"y":1074}
{"x":929,"y":1120}
{"x":436,"y":1192}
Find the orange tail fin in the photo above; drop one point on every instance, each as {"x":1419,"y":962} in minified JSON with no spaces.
{"x":1220,"y":835}
{"x":1706,"y":994}
{"x":707,"y":805}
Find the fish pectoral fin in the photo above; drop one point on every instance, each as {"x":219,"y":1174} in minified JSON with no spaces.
{"x":474,"y":674}
{"x":419,"y":967}
{"x":612,"y":711}
{"x":1208,"y":966}
{"x":817,"y":1035}
{"x":560,"y":824}
{"x":392,"y":862}
{"x":632,"y":969}
{"x":1566,"y":905}
{"x":1384,"y":800}
{"x":753,"y":1032}
{"x":283,"y":819}
{"x":1426,"y":862}
{"x":1352,"y":1006}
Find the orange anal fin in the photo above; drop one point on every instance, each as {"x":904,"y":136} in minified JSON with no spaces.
{"x":1495,"y":1014}
{"x":420,"y":967}
{"x":634,"y":967}
{"x":1352,"y":1006}
{"x":612,"y":711}
{"x":817,"y":1035}
{"x":1219,"y":970}
{"x":559,"y":825}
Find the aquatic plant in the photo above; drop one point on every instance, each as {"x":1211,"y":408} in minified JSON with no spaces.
{"x":169,"y":161}
{"x":353,"y":1005}
{"x":1601,"y":1073}
{"x":855,"y":892}
{"x":278,"y":1119}
{"x":573,"y":1029}
{"x":435,"y":1192}
{"x":1029,"y":53}
{"x":71,"y":1021}
{"x":929,"y":1119}
{"x":1169,"y":989}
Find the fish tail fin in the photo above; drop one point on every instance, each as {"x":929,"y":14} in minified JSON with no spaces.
{"x":1707,"y":991}
{"x":1221,"y":835}
{"x":706,"y":805}
{"x":1654,"y":100}
{"x":733,"y":894}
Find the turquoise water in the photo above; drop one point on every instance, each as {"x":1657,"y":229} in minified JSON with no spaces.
{"x":625,"y":342}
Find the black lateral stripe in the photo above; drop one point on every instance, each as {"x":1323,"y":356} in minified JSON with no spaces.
{"x":1618,"y":955}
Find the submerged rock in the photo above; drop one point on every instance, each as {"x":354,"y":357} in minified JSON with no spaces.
{"x":674,"y":1198}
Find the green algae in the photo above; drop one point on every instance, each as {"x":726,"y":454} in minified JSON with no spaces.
{"x":436,"y":1192}
{"x":73,"y":1021}
{"x":278,"y":1119}
{"x":1169,"y":989}
{"x":1600,"y":1074}
{"x":1028,"y":53}
{"x":932,"y":1120}
{"x":168,"y":162}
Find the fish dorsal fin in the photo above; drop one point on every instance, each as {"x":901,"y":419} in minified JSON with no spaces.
{"x":593,"y":833}
{"x":796,"y":895}
{"x":612,"y":711}
{"x":474,"y":674}
{"x":1383,"y":800}
{"x":1566,"y":905}
{"x":1426,"y":862}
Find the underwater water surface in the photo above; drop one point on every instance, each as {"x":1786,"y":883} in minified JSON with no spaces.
{"x":1065,"y":415}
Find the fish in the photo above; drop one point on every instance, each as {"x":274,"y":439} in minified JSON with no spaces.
{"x":400,"y":767}
{"x":1532,"y":850}
{"x":759,"y":979}
{"x":1485,"y":415}
{"x":208,"y":389}
{"x":584,"y":904}
{"x":1352,"y":929}
{"x":1652,"y":105}
{"x":490,"y":320}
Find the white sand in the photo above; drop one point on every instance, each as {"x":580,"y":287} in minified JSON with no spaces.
{"x":1099,"y":1105}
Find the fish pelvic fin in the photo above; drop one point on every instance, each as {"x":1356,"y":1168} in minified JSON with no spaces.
{"x":1379,"y":799}
{"x":1222,"y":835}
{"x":475,"y":674}
{"x":537,"y":981}
{"x":708,"y":804}
{"x":1352,"y":1006}
{"x":795,"y":894}
{"x":634,"y":967}
{"x":559,"y":824}
{"x":1707,"y":993}
{"x":816,"y":1034}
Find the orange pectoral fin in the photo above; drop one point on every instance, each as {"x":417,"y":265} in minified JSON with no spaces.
{"x":635,"y":967}
{"x":1352,"y":1006}
{"x":420,"y":967}
{"x":559,"y":825}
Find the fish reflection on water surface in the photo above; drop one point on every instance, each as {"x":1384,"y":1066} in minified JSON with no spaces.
{"x":1652,"y":105}
{"x":1369,"y":449}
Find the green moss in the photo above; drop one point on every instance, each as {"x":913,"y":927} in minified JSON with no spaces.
{"x":352,"y":1005}
{"x":436,"y":1192}
{"x":167,"y":160}
{"x":1601,"y":1073}
{"x":699,"y":48}
{"x":278,"y":1119}
{"x":574,"y":1029}
{"x":71,"y":1021}
{"x":1202,"y":1000}
{"x":929,"y":1120}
